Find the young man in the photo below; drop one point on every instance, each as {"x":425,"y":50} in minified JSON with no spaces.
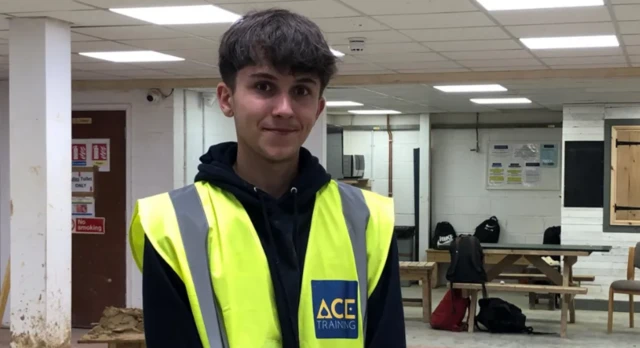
{"x":295,"y":259}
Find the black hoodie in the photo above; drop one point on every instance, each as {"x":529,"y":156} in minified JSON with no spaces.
{"x":283,"y":226}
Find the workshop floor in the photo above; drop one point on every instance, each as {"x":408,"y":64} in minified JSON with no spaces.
{"x":590,"y":330}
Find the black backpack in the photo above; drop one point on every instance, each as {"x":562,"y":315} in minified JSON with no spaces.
{"x":552,"y":236}
{"x":443,"y":236}
{"x":488,"y":231}
{"x":500,"y":316}
{"x":467,"y":262}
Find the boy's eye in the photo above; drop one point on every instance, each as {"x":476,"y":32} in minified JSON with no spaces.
{"x":302,"y":91}
{"x":263,"y":86}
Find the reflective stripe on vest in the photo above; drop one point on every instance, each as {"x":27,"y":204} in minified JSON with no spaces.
{"x":194,"y":230}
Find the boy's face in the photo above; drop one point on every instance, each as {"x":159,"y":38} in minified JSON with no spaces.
{"x":273,"y":112}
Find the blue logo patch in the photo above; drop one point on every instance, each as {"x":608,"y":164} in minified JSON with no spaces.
{"x":335,"y":308}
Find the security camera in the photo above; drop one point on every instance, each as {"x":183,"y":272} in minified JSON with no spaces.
{"x":154,"y":95}
{"x":356,"y":44}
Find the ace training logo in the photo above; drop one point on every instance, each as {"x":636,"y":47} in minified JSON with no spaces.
{"x":335,"y":308}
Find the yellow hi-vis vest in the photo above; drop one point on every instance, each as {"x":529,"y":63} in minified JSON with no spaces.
{"x":205,"y":235}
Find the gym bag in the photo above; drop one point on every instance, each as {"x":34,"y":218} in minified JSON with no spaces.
{"x":443,"y":236}
{"x":451,"y":312}
{"x":488,"y":231}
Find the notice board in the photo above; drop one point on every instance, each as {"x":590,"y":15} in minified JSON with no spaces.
{"x":523,"y":166}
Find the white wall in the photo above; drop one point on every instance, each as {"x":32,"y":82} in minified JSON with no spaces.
{"x":374,"y":145}
{"x":459,"y":193}
{"x":585,"y":225}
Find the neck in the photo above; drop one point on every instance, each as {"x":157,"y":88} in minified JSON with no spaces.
{"x":272,"y":178}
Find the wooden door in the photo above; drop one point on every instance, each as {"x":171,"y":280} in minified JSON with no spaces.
{"x":99,"y":260}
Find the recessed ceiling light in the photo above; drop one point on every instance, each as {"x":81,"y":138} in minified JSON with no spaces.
{"x":502,"y":5}
{"x":337,"y":103}
{"x":337,"y":53}
{"x":471,"y":88}
{"x":132,"y":56}
{"x":374,"y":112}
{"x":541,"y":43}
{"x":173,"y":15}
{"x":501,"y":101}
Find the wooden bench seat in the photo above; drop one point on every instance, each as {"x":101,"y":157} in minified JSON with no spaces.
{"x":541,"y":276}
{"x":125,"y":340}
{"x":473,"y":289}
{"x":411,"y":270}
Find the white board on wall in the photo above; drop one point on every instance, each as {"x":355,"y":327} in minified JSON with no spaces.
{"x":523,"y":165}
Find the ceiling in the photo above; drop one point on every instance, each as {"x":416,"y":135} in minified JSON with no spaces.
{"x":402,"y":37}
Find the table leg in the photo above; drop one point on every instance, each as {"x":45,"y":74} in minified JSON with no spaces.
{"x":496,"y":269}
{"x":434,"y":276}
{"x":472,"y":310}
{"x":426,"y":298}
{"x":566,"y":281}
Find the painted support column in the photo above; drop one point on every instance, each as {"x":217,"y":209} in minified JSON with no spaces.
{"x":40,"y":182}
{"x":424,"y":141}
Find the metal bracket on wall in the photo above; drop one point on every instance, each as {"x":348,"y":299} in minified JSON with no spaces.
{"x":618,"y":207}
{"x":628,"y":143}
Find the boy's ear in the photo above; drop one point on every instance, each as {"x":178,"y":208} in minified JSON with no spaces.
{"x":321,"y":104}
{"x":225,"y":98}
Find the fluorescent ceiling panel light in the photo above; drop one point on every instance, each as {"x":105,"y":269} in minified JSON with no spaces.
{"x":337,"y":53}
{"x":132,"y":56}
{"x":543,"y":43}
{"x":374,"y":112}
{"x":173,"y":15}
{"x":337,"y":103}
{"x":502,"y":5}
{"x":501,"y":101}
{"x":470,"y":88}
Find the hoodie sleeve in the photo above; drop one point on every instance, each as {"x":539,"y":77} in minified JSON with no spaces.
{"x":385,"y":314}
{"x":168,"y":320}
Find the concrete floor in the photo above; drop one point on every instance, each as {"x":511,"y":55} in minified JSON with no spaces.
{"x":589,"y":331}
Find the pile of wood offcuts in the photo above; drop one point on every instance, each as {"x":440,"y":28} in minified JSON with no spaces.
{"x":118,"y":322}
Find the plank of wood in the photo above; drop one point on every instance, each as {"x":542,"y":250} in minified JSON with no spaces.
{"x":544,"y":267}
{"x":540,"y":289}
{"x":442,"y":256}
{"x":541,"y":276}
{"x":500,"y":266}
{"x":123,"y":338}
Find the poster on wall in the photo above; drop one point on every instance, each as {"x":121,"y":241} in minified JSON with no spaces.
{"x":522,"y":166}
{"x":91,"y":152}
{"x":87,"y":225}
{"x":83,"y":207}
{"x":82,"y":182}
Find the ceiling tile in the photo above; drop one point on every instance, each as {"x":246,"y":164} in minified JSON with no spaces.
{"x":633,"y":50}
{"x":627,"y":12}
{"x":131,"y":32}
{"x":173,"y":44}
{"x":503,"y":54}
{"x":347,"y":59}
{"x":584,"y":60}
{"x":371,"y":37}
{"x":631,"y":39}
{"x":439,"y":20}
{"x":476,"y":45}
{"x":215,"y":30}
{"x":336,"y":25}
{"x":634,"y":59}
{"x":486,"y":63}
{"x":366,"y":72}
{"x":385,"y":48}
{"x":589,"y":66}
{"x":91,"y":75}
{"x":617,"y":2}
{"x":421,"y":65}
{"x":455,"y":34}
{"x":14,"y":6}
{"x":87,"y":17}
{"x":410,"y":6}
{"x":79,"y":37}
{"x":430,"y":70}
{"x":209,"y":56}
{"x":583,"y":52}
{"x":407,"y":57}
{"x":572,"y":29}
{"x":144,"y":73}
{"x":511,"y":68}
{"x":551,"y":16}
{"x":360,"y":67}
{"x":93,"y":46}
{"x":311,"y":8}
{"x":4,"y":23}
{"x":629,"y":27}
{"x":4,"y":49}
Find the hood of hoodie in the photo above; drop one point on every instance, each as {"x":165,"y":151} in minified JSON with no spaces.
{"x":216,"y":167}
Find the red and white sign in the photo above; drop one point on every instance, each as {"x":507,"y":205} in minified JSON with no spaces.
{"x":88,"y":225}
{"x":90,"y":153}
{"x":99,"y":152}
{"x":79,"y":154}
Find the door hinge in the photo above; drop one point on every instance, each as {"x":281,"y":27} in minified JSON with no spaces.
{"x":619,"y":207}
{"x":628,"y":143}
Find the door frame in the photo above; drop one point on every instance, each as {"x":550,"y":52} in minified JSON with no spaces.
{"x":131,"y":267}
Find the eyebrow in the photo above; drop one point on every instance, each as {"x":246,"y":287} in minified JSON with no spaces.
{"x":263,"y":75}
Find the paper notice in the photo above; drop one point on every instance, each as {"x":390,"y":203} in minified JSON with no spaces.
{"x":496,"y":174}
{"x":83,"y":206}
{"x":514,"y":174}
{"x":526,"y":153}
{"x":500,"y":151}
